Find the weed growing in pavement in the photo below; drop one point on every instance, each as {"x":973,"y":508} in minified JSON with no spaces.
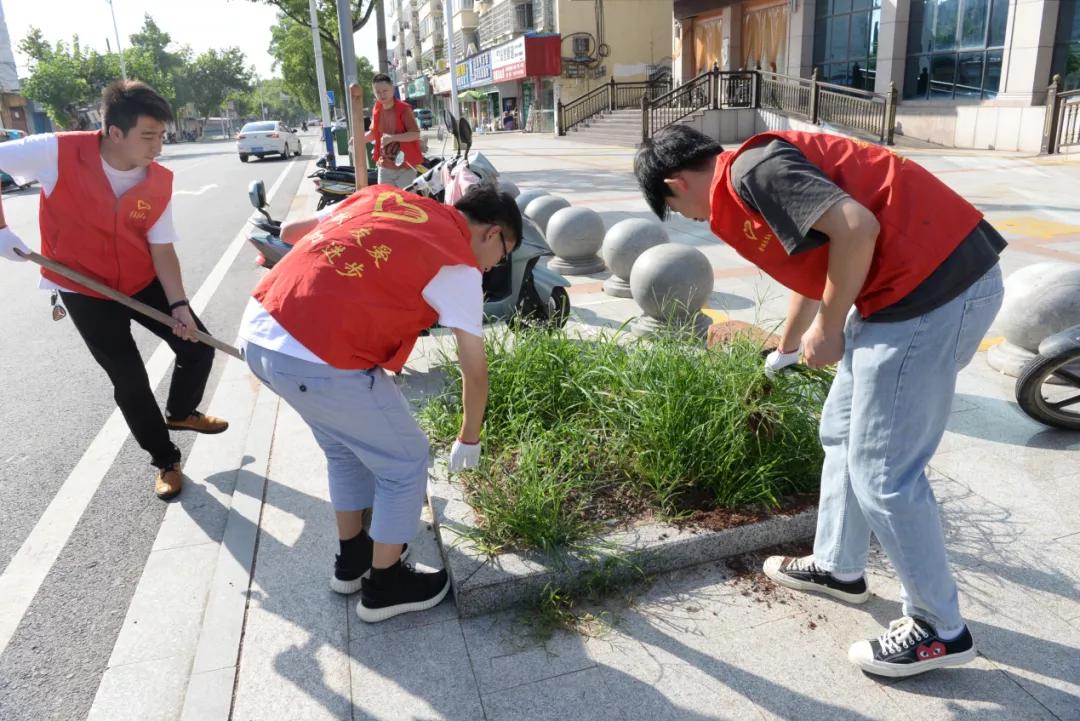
{"x":581,"y":432}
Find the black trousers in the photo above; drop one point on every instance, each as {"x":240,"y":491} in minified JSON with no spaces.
{"x":105,"y":325}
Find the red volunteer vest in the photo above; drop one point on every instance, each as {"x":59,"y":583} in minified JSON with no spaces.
{"x":922,"y":219}
{"x":400,"y":109}
{"x":351,"y":290}
{"x":90,"y":230}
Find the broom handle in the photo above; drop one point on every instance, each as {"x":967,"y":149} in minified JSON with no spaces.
{"x":135,"y":305}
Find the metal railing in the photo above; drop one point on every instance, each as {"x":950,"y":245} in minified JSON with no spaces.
{"x":608,"y":97}
{"x":1062,"y":126}
{"x":806,"y":98}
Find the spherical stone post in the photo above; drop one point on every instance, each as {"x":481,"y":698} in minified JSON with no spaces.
{"x":671,"y":282}
{"x":575,"y":236}
{"x":527,"y":196}
{"x":541,"y":209}
{"x":624,"y":242}
{"x":507,"y":187}
{"x":1040,"y":300}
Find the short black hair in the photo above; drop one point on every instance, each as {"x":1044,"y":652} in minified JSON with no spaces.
{"x":381,"y":78}
{"x":485,"y":203}
{"x":676,"y":147}
{"x":123,"y":101}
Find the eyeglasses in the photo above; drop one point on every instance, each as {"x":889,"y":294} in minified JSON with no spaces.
{"x":507,"y":252}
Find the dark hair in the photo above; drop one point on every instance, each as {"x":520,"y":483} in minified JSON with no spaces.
{"x":676,"y":147}
{"x":381,"y":78}
{"x":123,"y":101}
{"x":485,"y":203}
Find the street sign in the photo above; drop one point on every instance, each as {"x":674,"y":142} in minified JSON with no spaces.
{"x":330,"y":96}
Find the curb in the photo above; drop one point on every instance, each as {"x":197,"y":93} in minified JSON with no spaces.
{"x":483,"y":584}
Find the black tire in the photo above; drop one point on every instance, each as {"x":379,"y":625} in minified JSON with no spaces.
{"x":243,"y":157}
{"x":1029,"y":390}
{"x":558,"y":307}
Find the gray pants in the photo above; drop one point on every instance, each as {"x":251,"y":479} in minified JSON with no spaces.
{"x":376,"y":455}
{"x":400,"y":177}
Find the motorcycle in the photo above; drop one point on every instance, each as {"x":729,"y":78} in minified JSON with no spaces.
{"x":336,"y":184}
{"x":520,"y":289}
{"x":1048,"y":388}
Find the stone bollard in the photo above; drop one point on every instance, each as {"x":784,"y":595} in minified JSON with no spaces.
{"x":624,"y":242}
{"x":527,"y":196}
{"x":507,"y":187}
{"x":671,"y":282}
{"x":575,"y":236}
{"x":1040,"y":300}
{"x":541,"y":209}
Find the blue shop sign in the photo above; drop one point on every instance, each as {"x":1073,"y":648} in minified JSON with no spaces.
{"x":479,"y":69}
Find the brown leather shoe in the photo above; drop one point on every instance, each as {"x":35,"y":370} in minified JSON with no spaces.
{"x":169,"y":481}
{"x":199,"y":423}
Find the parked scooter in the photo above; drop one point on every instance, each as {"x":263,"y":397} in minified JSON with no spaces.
{"x":1048,"y":388}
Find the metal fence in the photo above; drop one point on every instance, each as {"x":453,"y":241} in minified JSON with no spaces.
{"x":1062,"y":126}
{"x":607,"y":98}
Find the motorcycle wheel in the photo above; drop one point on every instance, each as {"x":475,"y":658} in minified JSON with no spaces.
{"x":1062,"y":408}
{"x":558,"y":309}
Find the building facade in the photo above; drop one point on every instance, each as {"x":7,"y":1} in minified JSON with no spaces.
{"x":515,"y":58}
{"x":14,"y":110}
{"x":969,"y":73}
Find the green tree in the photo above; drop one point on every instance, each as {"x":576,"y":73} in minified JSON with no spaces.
{"x":294,"y":55}
{"x":214,"y":76}
{"x":55,"y":78}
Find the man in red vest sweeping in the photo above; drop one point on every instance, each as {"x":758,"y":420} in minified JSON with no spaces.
{"x":896,"y":280}
{"x":343,"y":309}
{"x":106,"y":212}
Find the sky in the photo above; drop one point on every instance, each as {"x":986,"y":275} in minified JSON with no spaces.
{"x":202,"y":24}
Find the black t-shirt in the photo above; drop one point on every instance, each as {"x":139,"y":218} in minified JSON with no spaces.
{"x":792,"y":194}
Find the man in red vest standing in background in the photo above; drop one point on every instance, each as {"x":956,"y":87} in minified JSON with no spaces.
{"x":343,"y":308}
{"x":393,"y":128}
{"x":106,"y":212}
{"x":896,"y":280}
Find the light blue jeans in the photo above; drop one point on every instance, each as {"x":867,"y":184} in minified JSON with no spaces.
{"x":882,"y":422}
{"x":376,"y":455}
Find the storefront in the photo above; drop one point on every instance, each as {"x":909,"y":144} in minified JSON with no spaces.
{"x":419,"y":92}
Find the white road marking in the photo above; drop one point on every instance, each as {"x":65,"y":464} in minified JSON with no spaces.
{"x":200,"y":191}
{"x":35,"y":558}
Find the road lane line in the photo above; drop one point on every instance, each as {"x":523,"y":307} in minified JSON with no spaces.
{"x":28,"y":568}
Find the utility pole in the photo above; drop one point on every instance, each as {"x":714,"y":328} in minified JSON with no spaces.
{"x":348,"y":62}
{"x":450,"y":57}
{"x":324,"y":101}
{"x":380,"y":36}
{"x":119,"y":47}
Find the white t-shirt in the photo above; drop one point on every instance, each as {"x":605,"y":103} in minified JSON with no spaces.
{"x":37,"y":157}
{"x":456,"y":293}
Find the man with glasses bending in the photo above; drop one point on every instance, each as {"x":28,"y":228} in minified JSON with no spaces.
{"x":345,"y":306}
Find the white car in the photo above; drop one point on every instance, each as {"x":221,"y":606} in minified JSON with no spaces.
{"x":267,"y":137}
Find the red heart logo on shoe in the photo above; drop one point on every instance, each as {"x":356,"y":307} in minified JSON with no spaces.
{"x":934,"y":650}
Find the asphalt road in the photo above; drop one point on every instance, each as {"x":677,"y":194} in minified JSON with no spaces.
{"x":54,"y":400}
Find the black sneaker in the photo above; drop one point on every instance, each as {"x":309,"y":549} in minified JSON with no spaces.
{"x":802,"y":574}
{"x":354,"y":563}
{"x":911,"y":646}
{"x":400,"y":589}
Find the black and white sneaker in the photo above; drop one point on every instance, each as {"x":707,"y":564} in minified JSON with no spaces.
{"x":354,"y":563}
{"x":388,"y":592}
{"x":802,"y":574}
{"x":911,"y":646}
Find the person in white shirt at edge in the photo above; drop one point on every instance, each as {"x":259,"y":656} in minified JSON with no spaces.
{"x":106,"y":212}
{"x":345,"y":306}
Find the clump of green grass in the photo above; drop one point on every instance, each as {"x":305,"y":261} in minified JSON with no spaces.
{"x":580,"y":431}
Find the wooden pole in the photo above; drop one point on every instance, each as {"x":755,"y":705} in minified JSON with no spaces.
{"x":135,"y":305}
{"x":359,"y":146}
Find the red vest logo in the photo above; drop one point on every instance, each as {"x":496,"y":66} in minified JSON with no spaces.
{"x":141,"y":207}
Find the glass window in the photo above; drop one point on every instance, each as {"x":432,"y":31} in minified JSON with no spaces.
{"x":999,"y":15}
{"x":973,"y":24}
{"x":946,"y":14}
{"x":845,"y":41}
{"x":1066,"y":62}
{"x":956,"y":46}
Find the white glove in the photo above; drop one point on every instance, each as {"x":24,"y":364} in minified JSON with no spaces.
{"x":464,"y":455}
{"x":9,"y":242}
{"x":778,"y":360}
